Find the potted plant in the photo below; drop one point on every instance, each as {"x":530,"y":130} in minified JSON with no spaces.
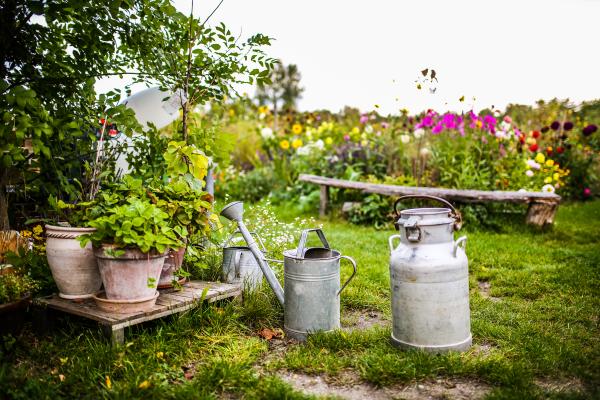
{"x":74,"y":268}
{"x":16,"y":287}
{"x":130,"y":244}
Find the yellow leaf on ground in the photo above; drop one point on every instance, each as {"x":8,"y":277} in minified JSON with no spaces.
{"x":144,"y":385}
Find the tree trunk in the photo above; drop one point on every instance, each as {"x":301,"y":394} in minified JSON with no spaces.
{"x":4,"y":221}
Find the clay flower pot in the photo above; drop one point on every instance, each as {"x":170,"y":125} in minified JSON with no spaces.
{"x":172,"y":264}
{"x":74,"y":269}
{"x":129,"y":274}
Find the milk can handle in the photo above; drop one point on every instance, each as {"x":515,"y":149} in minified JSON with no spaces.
{"x":391,"y":242}
{"x":455,"y":212}
{"x":461,"y":240}
{"x":302,"y":243}
{"x":352,"y":276}
{"x":258,"y":239}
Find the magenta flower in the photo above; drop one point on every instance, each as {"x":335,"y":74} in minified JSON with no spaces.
{"x":587,"y":192}
{"x":364,"y":119}
{"x":437,"y":128}
{"x":489,"y":123}
{"x":346,"y":137}
{"x":448,"y":121}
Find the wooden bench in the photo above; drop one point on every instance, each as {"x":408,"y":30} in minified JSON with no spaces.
{"x":542,"y":206}
{"x":170,"y":301}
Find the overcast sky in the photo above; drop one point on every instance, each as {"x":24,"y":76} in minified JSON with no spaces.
{"x":362,"y":53}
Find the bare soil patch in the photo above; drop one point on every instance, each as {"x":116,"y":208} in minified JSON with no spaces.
{"x":349,"y":386}
{"x":361,"y":320}
{"x":484,"y":288}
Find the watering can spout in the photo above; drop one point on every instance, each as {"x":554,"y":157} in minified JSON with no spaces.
{"x":235,"y":212}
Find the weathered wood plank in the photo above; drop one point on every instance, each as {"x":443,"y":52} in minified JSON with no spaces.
{"x":169,"y":302}
{"x":448,"y":194}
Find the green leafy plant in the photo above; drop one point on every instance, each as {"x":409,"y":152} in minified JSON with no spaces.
{"x":15,"y":284}
{"x":138,"y":223}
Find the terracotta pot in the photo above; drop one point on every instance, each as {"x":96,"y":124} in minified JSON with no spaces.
{"x":124,"y":306}
{"x":74,"y":269}
{"x":172,"y":264}
{"x":131,"y":275}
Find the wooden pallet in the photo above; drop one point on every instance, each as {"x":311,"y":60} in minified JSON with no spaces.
{"x":170,"y":301}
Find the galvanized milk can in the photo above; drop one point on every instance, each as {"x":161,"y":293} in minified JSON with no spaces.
{"x":312,"y":287}
{"x":240,"y":265}
{"x":429,"y":280}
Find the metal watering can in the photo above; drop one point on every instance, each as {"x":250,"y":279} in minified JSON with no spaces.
{"x":239,"y":264}
{"x":311,"y":299}
{"x":429,"y":280}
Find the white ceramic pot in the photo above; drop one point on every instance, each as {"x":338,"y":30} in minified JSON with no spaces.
{"x":74,"y":268}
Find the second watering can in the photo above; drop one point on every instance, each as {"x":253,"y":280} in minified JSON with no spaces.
{"x":240,"y":265}
{"x":429,"y":280}
{"x":312,"y":287}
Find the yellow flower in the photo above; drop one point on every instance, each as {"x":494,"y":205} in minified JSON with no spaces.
{"x":296,"y":143}
{"x":231,"y":112}
{"x":549,"y":163}
{"x":284,"y":144}
{"x":531,"y":140}
{"x":328,"y":140}
{"x":160,"y":355}
{"x":144,"y":385}
{"x":26,"y":234}
{"x":556,"y":176}
{"x":479,"y":123}
{"x":108,"y":382}
{"x":355,"y":130}
{"x":364,"y":142}
{"x":38,"y":229}
{"x":548,"y":179}
{"x":297,"y":129}
{"x":263,"y":110}
{"x":539,"y":158}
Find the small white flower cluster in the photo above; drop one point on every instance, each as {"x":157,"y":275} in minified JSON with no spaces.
{"x":267,"y":133}
{"x":309,"y":147}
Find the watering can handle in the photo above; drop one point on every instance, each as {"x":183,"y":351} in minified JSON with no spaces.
{"x":351,"y":276}
{"x":303,"y":237}
{"x":455,"y":212}
{"x":260,"y":242}
{"x":237,"y":258}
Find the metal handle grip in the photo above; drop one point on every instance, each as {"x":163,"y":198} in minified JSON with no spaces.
{"x":455,"y":212}
{"x":237,"y":264}
{"x":302,"y":243}
{"x":461,"y":240}
{"x":351,"y":276}
{"x":391,"y":241}
{"x":259,"y":240}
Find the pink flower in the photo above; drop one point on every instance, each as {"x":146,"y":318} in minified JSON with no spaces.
{"x":507,"y":119}
{"x":385,"y":125}
{"x":438,"y":128}
{"x":364,"y":119}
{"x":587,"y":192}
{"x":346,"y":137}
{"x":448,"y":121}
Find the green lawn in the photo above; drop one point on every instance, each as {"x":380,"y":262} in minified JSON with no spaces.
{"x":534,"y":310}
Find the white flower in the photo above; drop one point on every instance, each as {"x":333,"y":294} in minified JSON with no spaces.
{"x":309,"y":133}
{"x":548,"y":188}
{"x":424,"y":151}
{"x":529,"y":173}
{"x":501,"y":134}
{"x":369,"y":129}
{"x":319,"y":144}
{"x":532,"y":164}
{"x":262,"y":116}
{"x":266,"y":133}
{"x":522,"y":190}
{"x":419,"y":133}
{"x":304,"y":150}
{"x":404,"y":138}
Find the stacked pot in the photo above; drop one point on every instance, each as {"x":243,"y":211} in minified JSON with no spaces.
{"x":130,"y":277}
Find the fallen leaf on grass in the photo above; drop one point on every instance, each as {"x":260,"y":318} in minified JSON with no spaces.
{"x":269,"y":334}
{"x":144,"y":385}
{"x":61,"y":377}
{"x":189,"y":375}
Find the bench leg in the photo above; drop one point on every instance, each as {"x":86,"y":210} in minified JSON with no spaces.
{"x":324,"y":201}
{"x":115,"y":336}
{"x":541,"y":213}
{"x":42,"y":322}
